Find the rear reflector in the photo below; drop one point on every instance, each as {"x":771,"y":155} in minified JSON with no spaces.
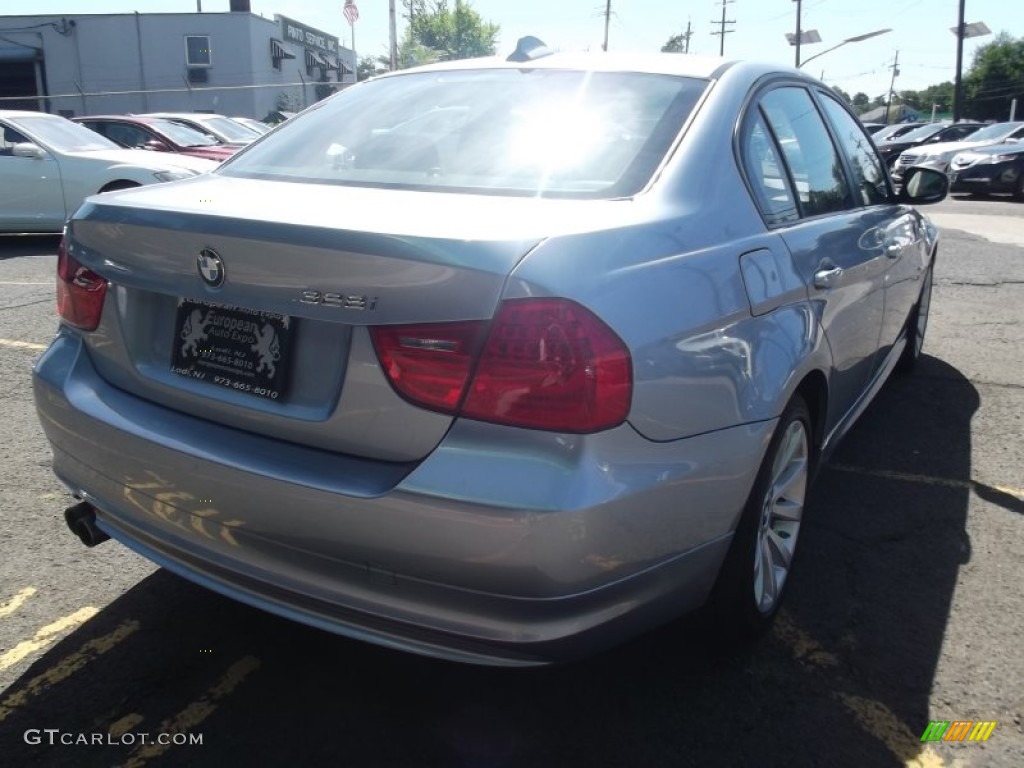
{"x":80,"y":291}
{"x":546,"y":364}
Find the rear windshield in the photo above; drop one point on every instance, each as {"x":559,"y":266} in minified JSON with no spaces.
{"x":509,"y":131}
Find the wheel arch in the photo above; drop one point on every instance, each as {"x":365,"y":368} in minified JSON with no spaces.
{"x":116,"y":184}
{"x":813,"y":388}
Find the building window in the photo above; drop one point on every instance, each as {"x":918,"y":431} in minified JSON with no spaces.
{"x":278,"y":53}
{"x":316,"y":64}
{"x":197,"y":51}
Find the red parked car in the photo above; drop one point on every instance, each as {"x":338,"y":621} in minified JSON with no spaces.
{"x":158,"y":135}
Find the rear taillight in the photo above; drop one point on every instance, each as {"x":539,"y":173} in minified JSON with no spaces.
{"x":546,"y":364}
{"x":429,"y":364}
{"x":80,"y":291}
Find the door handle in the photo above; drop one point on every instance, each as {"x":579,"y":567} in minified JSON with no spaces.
{"x":824,"y":278}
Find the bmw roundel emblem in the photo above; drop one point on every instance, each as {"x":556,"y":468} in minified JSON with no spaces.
{"x":211,"y":267}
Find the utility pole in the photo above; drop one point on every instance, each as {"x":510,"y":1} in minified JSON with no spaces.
{"x":722,"y":31}
{"x":687,"y":37}
{"x":393,"y":36}
{"x":798,"y":33}
{"x":892,"y":84}
{"x":958,"y":85}
{"x":607,"y":18}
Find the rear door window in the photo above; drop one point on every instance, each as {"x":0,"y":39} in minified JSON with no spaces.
{"x":813,"y":161}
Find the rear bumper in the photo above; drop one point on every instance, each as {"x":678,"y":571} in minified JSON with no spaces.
{"x":503,"y":546}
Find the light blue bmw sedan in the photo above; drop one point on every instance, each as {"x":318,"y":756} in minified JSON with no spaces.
{"x":499,"y":361}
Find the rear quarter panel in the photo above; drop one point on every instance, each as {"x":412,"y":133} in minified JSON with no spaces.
{"x":672,"y":287}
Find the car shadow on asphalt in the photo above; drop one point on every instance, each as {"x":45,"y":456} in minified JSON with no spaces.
{"x":845,"y":678}
{"x":14,"y":246}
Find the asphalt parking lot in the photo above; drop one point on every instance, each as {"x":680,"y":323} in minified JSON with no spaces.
{"x":906,"y":604}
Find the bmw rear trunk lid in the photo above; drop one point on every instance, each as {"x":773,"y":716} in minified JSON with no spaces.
{"x":248,"y":303}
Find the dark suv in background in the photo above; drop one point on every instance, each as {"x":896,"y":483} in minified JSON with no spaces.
{"x":932,"y":133}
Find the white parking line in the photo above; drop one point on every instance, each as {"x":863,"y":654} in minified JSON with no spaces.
{"x":19,"y":282}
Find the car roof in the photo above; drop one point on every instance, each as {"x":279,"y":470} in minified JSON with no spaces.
{"x":704,"y":67}
{"x":129,"y":118}
{"x":27,"y":113}
{"x":181,"y":115}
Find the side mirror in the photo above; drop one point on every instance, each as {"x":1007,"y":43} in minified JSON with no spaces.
{"x":156,"y":145}
{"x":923,"y":186}
{"x":28,"y":149}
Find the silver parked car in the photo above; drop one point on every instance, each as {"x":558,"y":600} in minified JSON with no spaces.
{"x":507,"y":391}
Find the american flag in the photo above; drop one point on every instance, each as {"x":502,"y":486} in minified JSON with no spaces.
{"x":351,"y":12}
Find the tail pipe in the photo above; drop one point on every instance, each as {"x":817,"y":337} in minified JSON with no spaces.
{"x":81,"y":519}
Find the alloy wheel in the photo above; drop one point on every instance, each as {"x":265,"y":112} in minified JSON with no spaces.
{"x":781,"y":514}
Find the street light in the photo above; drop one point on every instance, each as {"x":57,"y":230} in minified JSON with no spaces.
{"x":856,"y":39}
{"x":961,"y":30}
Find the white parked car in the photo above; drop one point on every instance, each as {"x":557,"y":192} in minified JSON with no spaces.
{"x":49,"y":165}
{"x":253,"y":125}
{"x":224,"y":129}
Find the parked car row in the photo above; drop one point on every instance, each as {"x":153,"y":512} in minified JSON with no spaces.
{"x":978,"y":158}
{"x":931,"y":133}
{"x":940,"y":155}
{"x":49,"y":164}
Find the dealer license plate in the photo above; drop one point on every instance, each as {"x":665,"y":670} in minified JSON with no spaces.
{"x":232,"y":347}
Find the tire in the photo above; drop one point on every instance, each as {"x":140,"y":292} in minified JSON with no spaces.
{"x":756,"y":569}
{"x":1019,"y":191}
{"x":917,"y":325}
{"x":116,"y":185}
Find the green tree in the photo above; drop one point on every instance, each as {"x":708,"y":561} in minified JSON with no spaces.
{"x":371,"y":65}
{"x":861,"y":102}
{"x":675,"y":44}
{"x":841,"y":94}
{"x":995,"y":78}
{"x":437,"y":32}
{"x":939,"y":96}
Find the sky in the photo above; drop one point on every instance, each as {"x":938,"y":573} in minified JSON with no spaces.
{"x":920,"y":29}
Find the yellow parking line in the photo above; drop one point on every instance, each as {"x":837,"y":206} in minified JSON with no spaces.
{"x":66,"y":667}
{"x":880,"y":721}
{"x":948,"y":482}
{"x":16,"y":602}
{"x":873,"y":716}
{"x":15,"y":344}
{"x":803,"y":646}
{"x":196,"y":712}
{"x":124,"y":725}
{"x":45,"y":636}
